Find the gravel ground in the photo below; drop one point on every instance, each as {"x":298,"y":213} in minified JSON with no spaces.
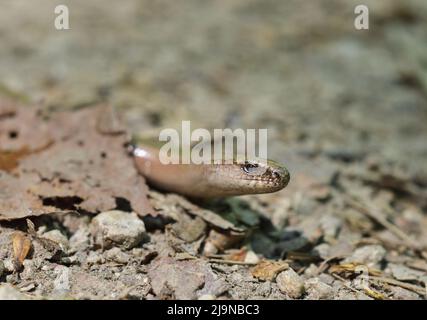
{"x":346,"y":112}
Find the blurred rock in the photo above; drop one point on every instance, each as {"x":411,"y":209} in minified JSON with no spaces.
{"x":8,"y":265}
{"x":186,"y":279}
{"x":58,"y":237}
{"x":317,"y":290}
{"x":403,"y":273}
{"x":290,"y":283}
{"x":251,"y":257}
{"x":323,"y":250}
{"x":369,"y":255}
{"x":117,"y":255}
{"x":330,"y":225}
{"x":80,"y":240}
{"x":61,"y":284}
{"x":94,"y":258}
{"x":117,"y":227}
{"x":263,"y":289}
{"x":403,"y":294}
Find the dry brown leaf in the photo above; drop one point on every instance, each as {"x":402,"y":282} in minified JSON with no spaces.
{"x":71,"y":166}
{"x":223,"y":240}
{"x":267,"y":270}
{"x":21,"y":247}
{"x":9,"y":160}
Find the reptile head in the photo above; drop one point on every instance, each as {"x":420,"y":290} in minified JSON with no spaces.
{"x":249,"y":177}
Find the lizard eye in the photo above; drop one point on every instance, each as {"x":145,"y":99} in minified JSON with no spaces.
{"x":249,"y":167}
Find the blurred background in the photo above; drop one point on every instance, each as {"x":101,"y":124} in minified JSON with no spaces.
{"x":298,"y":68}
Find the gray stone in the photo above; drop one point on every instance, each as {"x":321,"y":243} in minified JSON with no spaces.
{"x":317,"y":290}
{"x":117,"y":227}
{"x":29,"y":269}
{"x":403,"y":294}
{"x":369,"y":255}
{"x":61,"y":284}
{"x":343,"y":293}
{"x":58,"y":237}
{"x":80,"y":240}
{"x":8,"y":265}
{"x":323,"y":250}
{"x":290,"y":283}
{"x":330,"y":225}
{"x":251,"y":257}
{"x":326,"y":278}
{"x":311,"y":271}
{"x":117,"y":255}
{"x":94,"y":258}
{"x":186,"y":279}
{"x":263,"y":289}
{"x":401,"y":272}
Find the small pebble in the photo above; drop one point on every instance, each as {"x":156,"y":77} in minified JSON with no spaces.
{"x":403,"y":294}
{"x":326,"y":278}
{"x":94,"y":258}
{"x":251,"y":257}
{"x":369,"y":255}
{"x":58,"y":237}
{"x":290,"y":283}
{"x":28,"y":270}
{"x":323,"y":250}
{"x":343,"y":293}
{"x":46,"y":268}
{"x":117,"y":227}
{"x":8,"y":265}
{"x":263,"y":289}
{"x":80,"y":240}
{"x":117,"y":255}
{"x":317,"y":290}
{"x":331,"y":226}
{"x":61,"y":285}
{"x":311,"y":271}
{"x":209,"y":249}
{"x":403,"y":273}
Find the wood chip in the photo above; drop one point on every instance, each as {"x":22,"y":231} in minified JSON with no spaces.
{"x":21,"y":247}
{"x":267,"y":270}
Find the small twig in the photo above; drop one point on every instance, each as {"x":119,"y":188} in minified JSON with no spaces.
{"x":369,"y":291}
{"x":344,"y":282}
{"x":414,"y":288}
{"x":232,"y":262}
{"x":322,"y":267}
{"x":378,"y":216}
